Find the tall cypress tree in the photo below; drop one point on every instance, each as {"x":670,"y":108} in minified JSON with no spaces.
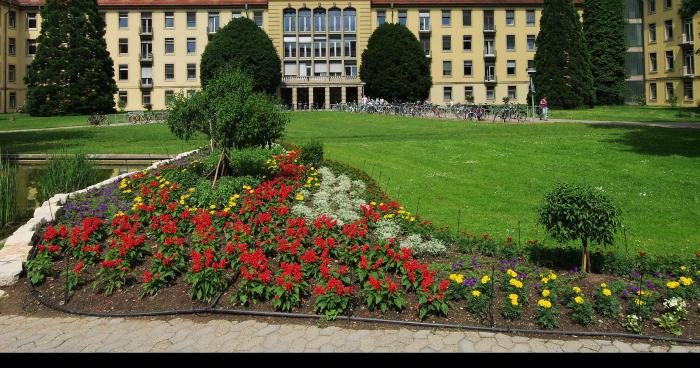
{"x":562,"y":60}
{"x":72,"y":72}
{"x":604,"y":29}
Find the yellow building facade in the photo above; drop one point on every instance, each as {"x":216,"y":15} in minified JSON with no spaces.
{"x":482,"y":48}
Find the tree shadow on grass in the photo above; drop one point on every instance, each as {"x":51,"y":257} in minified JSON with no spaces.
{"x":655,"y":141}
{"x":44,"y":141}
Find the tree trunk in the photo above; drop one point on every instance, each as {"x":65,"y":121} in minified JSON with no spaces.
{"x":586,"y":257}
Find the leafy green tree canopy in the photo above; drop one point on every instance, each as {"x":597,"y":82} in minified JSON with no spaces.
{"x":394,"y":65}
{"x":243,"y":45}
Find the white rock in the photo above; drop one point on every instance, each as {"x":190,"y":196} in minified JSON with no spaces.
{"x":3,"y":294}
{"x":9,"y":272}
{"x":14,"y":253}
{"x":21,"y":237}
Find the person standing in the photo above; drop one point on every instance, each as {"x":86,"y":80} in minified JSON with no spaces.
{"x":543,"y":106}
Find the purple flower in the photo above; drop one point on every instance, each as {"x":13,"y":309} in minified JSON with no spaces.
{"x":624,"y":292}
{"x":454,"y":266}
{"x":650,"y":285}
{"x":657,"y":274}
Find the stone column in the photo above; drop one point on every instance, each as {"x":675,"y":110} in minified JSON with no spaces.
{"x":328,"y":98}
{"x":342,"y":95}
{"x":311,"y":97}
{"x":294,"y":98}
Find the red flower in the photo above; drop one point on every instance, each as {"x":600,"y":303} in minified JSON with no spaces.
{"x":78,"y":267}
{"x":642,"y":254}
{"x":319,"y":290}
{"x":486,"y":236}
{"x":444,"y":285}
{"x":509,"y":239}
{"x":146,"y":277}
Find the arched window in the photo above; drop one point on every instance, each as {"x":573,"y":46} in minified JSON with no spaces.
{"x":349,"y":19}
{"x":319,"y":20}
{"x":334,"y":20}
{"x":305,"y":20}
{"x":289,"y":19}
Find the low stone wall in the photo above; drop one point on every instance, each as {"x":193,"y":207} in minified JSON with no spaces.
{"x":17,"y":246}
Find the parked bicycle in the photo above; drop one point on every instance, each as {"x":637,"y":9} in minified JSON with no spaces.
{"x":98,"y":119}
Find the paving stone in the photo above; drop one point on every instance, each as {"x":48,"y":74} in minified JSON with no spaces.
{"x":267,"y":330}
{"x":678,"y":349}
{"x":521,"y":348}
{"x":329,"y":331}
{"x":609,"y":349}
{"x":571,"y":346}
{"x":623,"y":346}
{"x":659,"y":349}
{"x":639,"y":347}
{"x":485,"y":344}
{"x":422,"y":334}
{"x":467,"y":346}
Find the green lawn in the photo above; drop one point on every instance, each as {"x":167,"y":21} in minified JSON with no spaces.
{"x":497,"y":174}
{"x":25,"y":121}
{"x":630,"y":113}
{"x":154,"y":138}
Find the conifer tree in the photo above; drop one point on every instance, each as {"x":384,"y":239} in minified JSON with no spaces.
{"x":72,"y":72}
{"x":604,"y":29}
{"x":562,"y":60}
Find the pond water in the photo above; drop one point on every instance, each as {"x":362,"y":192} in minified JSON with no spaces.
{"x":28,"y":175}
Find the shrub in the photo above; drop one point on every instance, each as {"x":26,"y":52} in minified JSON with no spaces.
{"x":420,"y":247}
{"x":8,"y":192}
{"x":511,"y":307}
{"x":547,"y":314}
{"x":312,"y":153}
{"x":572,"y":212}
{"x":65,"y":173}
{"x":582,"y":311}
{"x":605,"y":302}
{"x":478,"y":303}
{"x":39,"y":267}
{"x":251,"y":162}
{"x":669,"y":323}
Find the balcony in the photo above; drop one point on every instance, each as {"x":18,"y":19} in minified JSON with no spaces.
{"x":211,"y":30}
{"x":687,"y":40}
{"x":146,"y":83}
{"x":490,"y":79}
{"x":688,"y":71}
{"x":489,"y":28}
{"x":423,"y":26}
{"x":146,"y":58}
{"x":428,"y":54}
{"x":489,"y":52}
{"x":343,"y":79}
{"x":146,"y":31}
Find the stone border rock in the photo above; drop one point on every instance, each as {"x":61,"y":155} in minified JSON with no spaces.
{"x":17,"y":246}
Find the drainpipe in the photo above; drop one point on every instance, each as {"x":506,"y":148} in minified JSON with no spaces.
{"x":392,"y":12}
{"x":4,"y":60}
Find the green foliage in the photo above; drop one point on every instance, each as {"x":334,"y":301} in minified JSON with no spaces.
{"x":669,"y":323}
{"x":604,"y":29}
{"x":39,"y":267}
{"x":478,"y":304}
{"x":72,"y":72}
{"x":65,"y":173}
{"x":582,"y":313}
{"x":631,"y":323}
{"x":689,"y":8}
{"x":547,"y":317}
{"x":573,"y":212}
{"x":394,"y":65}
{"x":251,"y":162}
{"x":8,"y":192}
{"x":243,"y":45}
{"x":312,"y":153}
{"x":562,"y":60}
{"x":606,"y":305}
{"x":230,"y":113}
{"x":227,"y":186}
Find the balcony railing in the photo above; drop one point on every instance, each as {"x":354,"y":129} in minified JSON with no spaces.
{"x":325,"y":78}
{"x":687,"y":40}
{"x":424,"y":27}
{"x":146,"y":83}
{"x":146,"y":31}
{"x":146,"y":57}
{"x":211,"y":30}
{"x":688,"y":71}
{"x":490,"y":52}
{"x":428,"y":54}
{"x":490,"y":78}
{"x":489,"y":27}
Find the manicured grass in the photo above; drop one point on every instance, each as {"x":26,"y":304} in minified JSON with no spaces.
{"x":25,"y":121}
{"x":631,"y":113}
{"x":155,"y":138}
{"x":497,"y":174}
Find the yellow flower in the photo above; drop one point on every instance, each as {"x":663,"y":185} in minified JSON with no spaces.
{"x":453,"y":276}
{"x":518,"y":284}
{"x":212,"y":212}
{"x":553,"y":276}
{"x":603,"y":285}
{"x":317,"y":185}
{"x":607,"y":292}
{"x":182,"y":201}
{"x":578,"y":300}
{"x":638,"y":302}
{"x":545,"y":293}
{"x":686,"y":281}
{"x":511,"y":273}
{"x":119,"y":214}
{"x":212,"y":206}
{"x":389,"y":215}
{"x":413,"y":219}
{"x":459,"y":279}
{"x":373,"y":203}
{"x":485,"y":279}
{"x":299,"y":197}
{"x":672,"y":284}
{"x":137,"y":199}
{"x":546,"y":304}
{"x":576,"y":289}
{"x":191,"y":190}
{"x":683,"y":268}
{"x":476,"y":293}
{"x":545,"y":280}
{"x":513,"y":299}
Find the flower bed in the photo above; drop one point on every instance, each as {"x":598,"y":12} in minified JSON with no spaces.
{"x":327,"y":241}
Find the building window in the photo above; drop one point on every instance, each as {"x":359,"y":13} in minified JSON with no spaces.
{"x":335,"y":48}
{"x":652,"y":32}
{"x":424,"y":20}
{"x":12,"y":19}
{"x":668,"y":25}
{"x":31,"y":20}
{"x":123,"y":98}
{"x":169,"y":71}
{"x":350,"y":69}
{"x":402,"y":17}
{"x":652,"y":62}
{"x":447,"y":93}
{"x":446,"y":68}
{"x":350,"y":47}
{"x":510,"y":17}
{"x":668,"y":4}
{"x":446,"y":17}
{"x":530,"y":17}
{"x":191,"y":45}
{"x":191,"y":19}
{"x":334,"y":20}
{"x":652,"y":91}
{"x":531,"y":42}
{"x":510,"y":42}
{"x":304,"y":49}
{"x":446,"y":43}
{"x":512,"y":93}
{"x":510,"y":67}
{"x":169,"y":45}
{"x":305,"y":20}
{"x":123,"y":46}
{"x":320,"y":48}
{"x":320,"y":20}
{"x":146,"y":98}
{"x":123,"y":72}
{"x":11,"y":72}
{"x":235,"y":14}
{"x":466,"y":17}
{"x":349,"y":20}
{"x":31,"y":46}
{"x":191,"y":71}
{"x":669,"y":91}
{"x":688,"y":90}
{"x":123,"y":20}
{"x":467,"y":43}
{"x":381,"y":17}
{"x":490,"y":93}
{"x":669,"y":60}
{"x":213,"y":22}
{"x":258,"y":18}
{"x":531,"y":64}
{"x":169,"y":20}
{"x":290,"y":49}
{"x":652,"y":6}
{"x":13,"y":100}
{"x":468,"y":68}
{"x":169,"y":95}
{"x":11,"y":46}
{"x":468,"y":91}
{"x":289,"y":17}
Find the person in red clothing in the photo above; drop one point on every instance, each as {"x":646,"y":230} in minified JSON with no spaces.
{"x":543,"y":106}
